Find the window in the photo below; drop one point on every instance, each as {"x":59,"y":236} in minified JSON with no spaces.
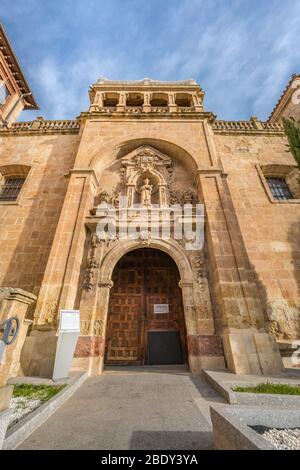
{"x":11,"y":189}
{"x":279,"y":188}
{"x":4,"y":93}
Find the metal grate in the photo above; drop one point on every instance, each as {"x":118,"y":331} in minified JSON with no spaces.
{"x":279,"y":188}
{"x":11,"y":189}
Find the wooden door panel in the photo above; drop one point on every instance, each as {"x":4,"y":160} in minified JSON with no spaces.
{"x":142,"y":279}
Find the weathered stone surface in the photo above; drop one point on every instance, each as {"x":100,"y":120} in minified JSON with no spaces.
{"x":242,"y":286}
{"x":232,"y":426}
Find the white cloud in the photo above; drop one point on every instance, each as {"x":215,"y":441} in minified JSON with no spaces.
{"x":241,"y":52}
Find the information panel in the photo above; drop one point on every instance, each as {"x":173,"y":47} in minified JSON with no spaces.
{"x":69,"y":320}
{"x":161,"y":308}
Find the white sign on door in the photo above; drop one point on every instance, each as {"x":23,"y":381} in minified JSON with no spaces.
{"x":161,"y":308}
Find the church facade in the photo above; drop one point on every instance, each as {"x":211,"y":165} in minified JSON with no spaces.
{"x":151,"y":147}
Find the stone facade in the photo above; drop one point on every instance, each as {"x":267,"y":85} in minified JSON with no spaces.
{"x":240,"y":293}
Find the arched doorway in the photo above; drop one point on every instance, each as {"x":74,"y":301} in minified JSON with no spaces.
{"x":145,"y":317}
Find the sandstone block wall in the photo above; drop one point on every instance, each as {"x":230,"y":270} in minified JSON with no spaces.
{"x":27,"y":227}
{"x":270,"y":229}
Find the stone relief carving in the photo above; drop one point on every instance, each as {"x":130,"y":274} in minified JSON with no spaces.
{"x":115,"y":199}
{"x":94,"y":241}
{"x":90,"y":274}
{"x":173,"y":198}
{"x":199,"y":267}
{"x":92,"y":264}
{"x":102,"y":197}
{"x":49,"y":315}
{"x":188,"y":197}
{"x":146,"y":163}
{"x":145,"y":236}
{"x":98,"y":327}
{"x":85,"y":327}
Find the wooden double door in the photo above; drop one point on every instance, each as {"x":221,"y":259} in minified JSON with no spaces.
{"x":145,"y":316}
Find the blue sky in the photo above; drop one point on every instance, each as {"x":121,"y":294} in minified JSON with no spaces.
{"x":242,"y":52}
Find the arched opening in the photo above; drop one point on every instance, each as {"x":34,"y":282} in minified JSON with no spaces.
{"x":145,"y":322}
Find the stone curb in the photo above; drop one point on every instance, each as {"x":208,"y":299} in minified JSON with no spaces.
{"x":232,"y":425}
{"x":4,"y":420}
{"x":20,"y":431}
{"x":232,"y":433}
{"x":251,"y":399}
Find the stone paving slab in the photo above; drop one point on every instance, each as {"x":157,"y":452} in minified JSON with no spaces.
{"x":132,"y":409}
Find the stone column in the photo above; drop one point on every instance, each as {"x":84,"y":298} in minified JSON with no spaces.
{"x":239,"y":315}
{"x":197,"y":102}
{"x":59,"y":286}
{"x":163,"y":202}
{"x":172,"y":104}
{"x":204,"y":347}
{"x":122,"y":101}
{"x":91,"y":347}
{"x":98,"y":102}
{"x":130,"y":191}
{"x":147,"y":105}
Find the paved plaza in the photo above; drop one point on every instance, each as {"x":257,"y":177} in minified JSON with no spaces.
{"x":132,"y":408}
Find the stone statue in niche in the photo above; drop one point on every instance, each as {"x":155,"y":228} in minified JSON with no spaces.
{"x":146,"y":192}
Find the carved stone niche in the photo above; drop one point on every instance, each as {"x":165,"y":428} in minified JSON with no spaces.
{"x":146,"y":166}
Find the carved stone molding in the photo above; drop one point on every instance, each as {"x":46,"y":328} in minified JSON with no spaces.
{"x":107,"y":283}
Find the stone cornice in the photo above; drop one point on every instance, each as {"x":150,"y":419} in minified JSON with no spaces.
{"x":41,"y":126}
{"x":12,"y":293}
{"x":84,"y":172}
{"x":155,"y":113}
{"x":253,"y":126}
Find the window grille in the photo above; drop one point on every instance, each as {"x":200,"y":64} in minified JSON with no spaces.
{"x":11,"y":189}
{"x":279,"y":188}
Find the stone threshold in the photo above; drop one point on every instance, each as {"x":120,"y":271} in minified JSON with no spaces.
{"x":155,"y":369}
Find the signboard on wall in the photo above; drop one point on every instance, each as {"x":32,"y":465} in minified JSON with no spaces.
{"x":161,"y":308}
{"x":69,"y":320}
